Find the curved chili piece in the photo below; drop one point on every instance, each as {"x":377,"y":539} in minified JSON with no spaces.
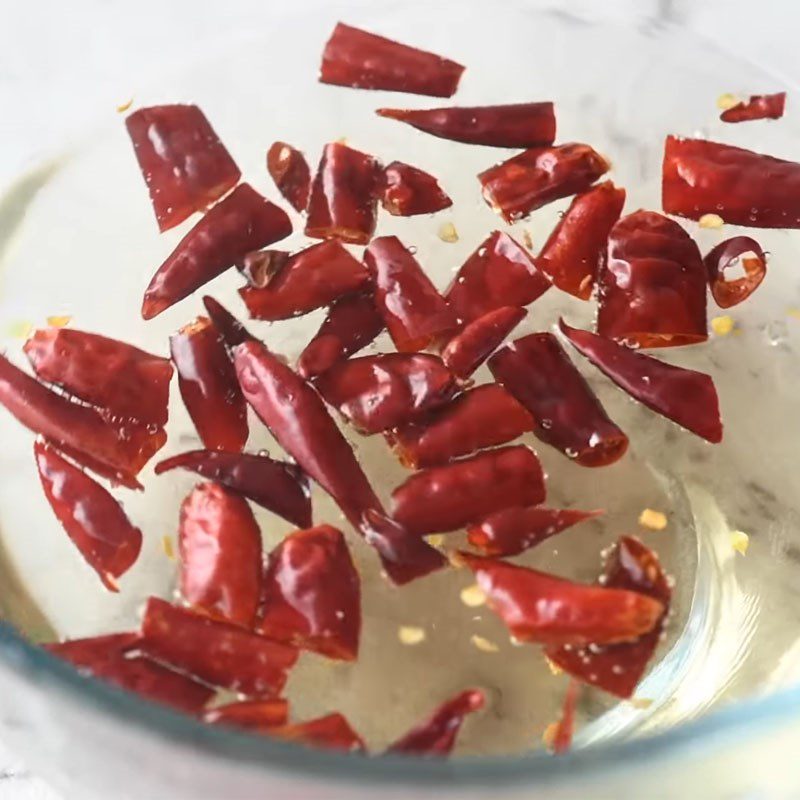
{"x":379,"y":392}
{"x":352,"y":323}
{"x":407,"y":191}
{"x":467,"y":350}
{"x":538,"y":176}
{"x":344,"y":193}
{"x":244,"y":221}
{"x":256,"y":716}
{"x":332,"y":731}
{"x":538,"y":607}
{"x":437,"y":734}
{"x":230,"y":329}
{"x":260,"y":266}
{"x":447,"y":498}
{"x":310,"y":279}
{"x":499,"y":273}
{"x":566,"y":412}
{"x":572,"y":254}
{"x":278,"y":486}
{"x":120,"y":379}
{"x":758,"y":106}
{"x":364,"y":60}
{"x":289,"y":169}
{"x":565,"y":727}
{"x":730,"y":293}
{"x":184,"y":164}
{"x":512,"y":125}
{"x":682,"y":395}
{"x":213,"y":651}
{"x":92,"y":518}
{"x":413,"y":310}
{"x":208,"y":385}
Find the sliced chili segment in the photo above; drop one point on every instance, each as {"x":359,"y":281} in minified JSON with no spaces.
{"x":565,"y":727}
{"x":257,"y":716}
{"x":260,"y":266}
{"x":758,"y":106}
{"x":231,"y":329}
{"x":738,"y":250}
{"x":407,"y":191}
{"x":332,"y":731}
{"x":289,"y":169}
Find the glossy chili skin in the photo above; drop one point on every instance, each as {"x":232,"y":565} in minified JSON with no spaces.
{"x":278,"y":486}
{"x":92,"y":518}
{"x":332,"y":731}
{"x":310,"y":279}
{"x":232,"y":331}
{"x":481,"y":417}
{"x":344,"y":193}
{"x":312,"y":594}
{"x":512,"y":125}
{"x":538,"y":176}
{"x":244,"y":221}
{"x":256,"y":716}
{"x":572,"y":254}
{"x":652,"y":286}
{"x":499,"y":273}
{"x":753,"y":260}
{"x":184,"y":164}
{"x":260,"y":266}
{"x":376,"y":393}
{"x":567,"y":414}
{"x":407,"y":191}
{"x":447,"y":498}
{"x":682,"y":395}
{"x":744,"y":188}
{"x":120,"y":379}
{"x":758,"y":106}
{"x":415,"y":313}
{"x":363,"y":60}
{"x":289,"y":169}
{"x":208,"y":386}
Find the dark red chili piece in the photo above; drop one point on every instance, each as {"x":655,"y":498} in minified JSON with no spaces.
{"x":414,"y":311}
{"x":482,"y":417}
{"x":123,"y":381}
{"x":244,"y":221}
{"x":260,"y":266}
{"x":407,"y":191}
{"x":184,"y":164}
{"x":92,"y":518}
{"x":499,"y":273}
{"x":332,"y":731}
{"x":344,"y":193}
{"x":572,"y":254}
{"x":758,"y":106}
{"x":364,"y":60}
{"x":437,"y":734}
{"x":312,"y":594}
{"x":289,"y":169}
{"x":447,"y":498}
{"x":744,"y":188}
{"x":376,"y":393}
{"x":278,"y":486}
{"x":256,"y":716}
{"x":213,"y":651}
{"x":565,"y":727}
{"x":208,"y":385}
{"x":513,"y":125}
{"x":538,"y":176}
{"x":682,"y":395}
{"x":352,"y":323}
{"x":310,"y":279}
{"x":567,"y":414}
{"x":739,"y":249}
{"x":538,"y":607}
{"x":230,"y":329}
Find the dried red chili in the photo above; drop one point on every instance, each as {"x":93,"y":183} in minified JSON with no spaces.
{"x":407,"y":191}
{"x":257,"y":716}
{"x":260,"y":266}
{"x":332,"y":731}
{"x":232,"y":331}
{"x":289,"y":169}
{"x":565,"y":727}
{"x":739,"y":249}
{"x":758,"y":106}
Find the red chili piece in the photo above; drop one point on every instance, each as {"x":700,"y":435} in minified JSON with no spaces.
{"x":213,"y":651}
{"x":482,"y":417}
{"x":278,"y":486}
{"x":260,"y":266}
{"x":310,"y":279}
{"x":289,"y":169}
{"x":184,"y":164}
{"x":565,"y":727}
{"x":414,"y":312}
{"x":725,"y":255}
{"x":538,"y":176}
{"x":450,"y":497}
{"x":256,"y":716}
{"x":363,"y":60}
{"x":232,"y":331}
{"x":467,"y":350}
{"x":344,"y":193}
{"x":759,"y":106}
{"x":208,"y":385}
{"x":618,"y":668}
{"x":744,"y":188}
{"x":572,"y":254}
{"x":407,"y":191}
{"x":92,"y":518}
{"x":513,"y":125}
{"x":122,"y":380}
{"x":499,"y":273}
{"x":352,"y":323}
{"x":538,"y":607}
{"x":437,"y":734}
{"x":312,"y":594}
{"x":514,"y":530}
{"x":332,"y":731}
{"x":117,"y":452}
{"x":567,"y":414}
{"x":244,"y":221}
{"x":376,"y":393}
